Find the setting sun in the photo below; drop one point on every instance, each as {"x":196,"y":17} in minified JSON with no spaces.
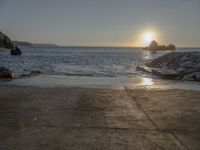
{"x":148,"y":37}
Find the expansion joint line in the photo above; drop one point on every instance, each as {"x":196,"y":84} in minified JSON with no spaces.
{"x":149,"y":118}
{"x":141,"y":108}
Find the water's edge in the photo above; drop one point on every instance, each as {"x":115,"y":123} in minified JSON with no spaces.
{"x":134,"y":82}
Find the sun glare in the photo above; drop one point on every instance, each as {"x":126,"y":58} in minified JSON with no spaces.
{"x":147,"y":81}
{"x":148,"y":37}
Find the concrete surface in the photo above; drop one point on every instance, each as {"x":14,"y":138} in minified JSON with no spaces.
{"x":98,"y":119}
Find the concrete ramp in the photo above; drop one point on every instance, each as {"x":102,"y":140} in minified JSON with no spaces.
{"x":100,"y":119}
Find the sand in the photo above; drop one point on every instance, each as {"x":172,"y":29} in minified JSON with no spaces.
{"x":33,"y":118}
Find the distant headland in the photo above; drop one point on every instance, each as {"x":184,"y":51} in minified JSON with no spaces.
{"x":154,"y":46}
{"x":23,"y":43}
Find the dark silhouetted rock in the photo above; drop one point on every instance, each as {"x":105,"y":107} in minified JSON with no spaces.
{"x":6,"y":73}
{"x":171,"y":47}
{"x":15,"y":51}
{"x":5,"y":42}
{"x":154,"y":46}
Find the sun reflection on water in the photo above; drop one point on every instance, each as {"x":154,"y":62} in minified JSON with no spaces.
{"x":147,"y":81}
{"x":147,"y":55}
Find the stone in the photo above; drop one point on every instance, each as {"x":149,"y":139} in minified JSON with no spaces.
{"x":144,"y":68}
{"x":189,"y":77}
{"x":197,"y":76}
{"x":171,"y":47}
{"x":6,"y":73}
{"x":186,"y":64}
{"x":197,"y":65}
{"x":5,"y":42}
{"x":15,"y":51}
{"x":165,"y":73}
{"x":176,"y":65}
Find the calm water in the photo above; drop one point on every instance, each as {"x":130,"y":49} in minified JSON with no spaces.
{"x":78,"y":61}
{"x":74,"y":67}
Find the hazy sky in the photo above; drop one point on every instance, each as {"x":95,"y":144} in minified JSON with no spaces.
{"x":101,"y":22}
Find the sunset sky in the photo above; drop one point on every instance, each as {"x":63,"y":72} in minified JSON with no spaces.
{"x":102,"y":22}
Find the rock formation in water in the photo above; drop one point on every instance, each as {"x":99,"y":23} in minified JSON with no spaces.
{"x":6,"y":73}
{"x":176,"y":65}
{"x":154,"y":46}
{"x":15,"y":51}
{"x":5,"y":42}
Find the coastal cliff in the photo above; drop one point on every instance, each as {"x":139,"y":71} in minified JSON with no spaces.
{"x":5,"y":42}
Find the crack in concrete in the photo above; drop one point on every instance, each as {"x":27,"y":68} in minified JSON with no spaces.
{"x":177,"y":140}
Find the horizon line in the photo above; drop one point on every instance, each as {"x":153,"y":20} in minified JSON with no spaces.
{"x":97,"y":46}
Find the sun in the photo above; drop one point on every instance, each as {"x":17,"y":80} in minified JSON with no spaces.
{"x":148,"y":37}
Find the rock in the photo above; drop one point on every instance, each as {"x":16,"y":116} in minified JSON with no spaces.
{"x":186,"y":64}
{"x":189,"y":70}
{"x":176,"y":65}
{"x":197,"y":76}
{"x":171,"y":47}
{"x":144,"y":68}
{"x":6,"y":73}
{"x":15,"y":51}
{"x":165,"y":73}
{"x":197,"y":65}
{"x":154,"y":46}
{"x":5,"y":42}
{"x":174,"y":60}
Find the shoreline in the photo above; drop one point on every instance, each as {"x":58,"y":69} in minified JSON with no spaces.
{"x":132,"y":82}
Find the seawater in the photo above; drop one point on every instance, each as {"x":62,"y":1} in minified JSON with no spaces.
{"x":87,"y":67}
{"x":78,"y":61}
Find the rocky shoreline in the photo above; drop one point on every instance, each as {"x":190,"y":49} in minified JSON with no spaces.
{"x":175,"y":65}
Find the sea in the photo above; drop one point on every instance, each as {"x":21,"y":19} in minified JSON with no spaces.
{"x":69,"y":65}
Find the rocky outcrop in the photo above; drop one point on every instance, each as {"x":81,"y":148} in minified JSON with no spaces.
{"x":154,"y":46}
{"x":6,"y":73}
{"x":15,"y":51}
{"x":5,"y":42}
{"x":176,"y":65}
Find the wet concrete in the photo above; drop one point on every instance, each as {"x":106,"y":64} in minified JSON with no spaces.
{"x":98,"y":119}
